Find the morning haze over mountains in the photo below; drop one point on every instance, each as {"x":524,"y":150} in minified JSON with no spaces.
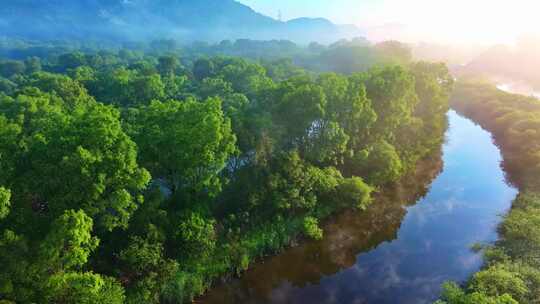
{"x":214,"y":152}
{"x":132,"y":20}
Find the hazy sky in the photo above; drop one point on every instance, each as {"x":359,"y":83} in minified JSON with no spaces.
{"x":458,"y":21}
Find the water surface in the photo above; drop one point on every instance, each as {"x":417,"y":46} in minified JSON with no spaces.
{"x":413,"y":238}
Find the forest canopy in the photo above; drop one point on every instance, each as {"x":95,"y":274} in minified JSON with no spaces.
{"x":142,"y":177}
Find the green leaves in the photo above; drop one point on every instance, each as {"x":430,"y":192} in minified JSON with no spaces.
{"x":72,"y":92}
{"x":70,"y":242}
{"x":86,"y":144}
{"x":497,"y":281}
{"x":146,"y":269}
{"x":127,"y":87}
{"x":5,"y":202}
{"x":453,"y":294}
{"x":185,"y":143}
{"x":393,"y":96}
{"x":311,"y":228}
{"x":353,"y":192}
{"x":298,"y":110}
{"x":83,"y":288}
{"x":380,"y":163}
{"x":327,"y":144}
{"x":63,"y":149}
{"x":290,"y":186}
{"x":196,"y":236}
{"x":349,"y":106}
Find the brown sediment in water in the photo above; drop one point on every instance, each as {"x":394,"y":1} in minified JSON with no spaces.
{"x":345,"y":235}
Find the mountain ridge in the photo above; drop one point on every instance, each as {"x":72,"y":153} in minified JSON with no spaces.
{"x":131,"y":20}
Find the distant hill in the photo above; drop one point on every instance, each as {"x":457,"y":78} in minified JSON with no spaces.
{"x":129,"y":20}
{"x":518,"y":63}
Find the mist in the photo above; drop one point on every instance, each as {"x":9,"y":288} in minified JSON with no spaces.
{"x":269,"y":151}
{"x":142,"y":20}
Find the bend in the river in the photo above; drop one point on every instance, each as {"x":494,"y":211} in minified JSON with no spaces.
{"x":412,"y":239}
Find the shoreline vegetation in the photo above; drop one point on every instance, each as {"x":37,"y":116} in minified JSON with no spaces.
{"x":143,"y":177}
{"x":346,"y":234}
{"x":511,"y":273}
{"x":350,"y":226}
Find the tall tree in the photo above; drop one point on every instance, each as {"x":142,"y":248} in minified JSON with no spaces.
{"x":69,"y":158}
{"x":185,"y":143}
{"x":392,"y":92}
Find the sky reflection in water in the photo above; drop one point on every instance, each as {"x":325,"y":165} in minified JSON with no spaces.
{"x":397,"y":256}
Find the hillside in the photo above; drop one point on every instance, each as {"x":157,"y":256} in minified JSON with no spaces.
{"x":519,"y":63}
{"x":129,"y":20}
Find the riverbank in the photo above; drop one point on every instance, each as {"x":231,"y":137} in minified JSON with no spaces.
{"x":511,"y":272}
{"x":413,"y":237}
{"x":289,"y":234}
{"x":346,"y":233}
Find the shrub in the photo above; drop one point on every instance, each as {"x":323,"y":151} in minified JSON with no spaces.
{"x":311,"y":228}
{"x":354,"y":192}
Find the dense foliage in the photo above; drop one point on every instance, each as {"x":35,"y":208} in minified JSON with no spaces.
{"x":141,"y":178}
{"x":512,"y":265}
{"x":514,"y":121}
{"x":281,"y":58}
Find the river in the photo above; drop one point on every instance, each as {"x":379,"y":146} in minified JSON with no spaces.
{"x":414,"y":237}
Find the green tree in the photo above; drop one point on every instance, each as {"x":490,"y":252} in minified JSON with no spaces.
{"x":127,"y":87}
{"x":85,"y":75}
{"x":97,"y":159}
{"x":46,"y":269}
{"x":203,"y":68}
{"x":71,"y":91}
{"x":247,"y":78}
{"x":167,"y":65}
{"x":346,"y":59}
{"x":497,"y":281}
{"x":144,"y":89}
{"x":453,"y":294}
{"x":196,"y":236}
{"x":9,"y":148}
{"x":433,"y":85}
{"x":353,"y":192}
{"x":69,"y":243}
{"x":379,"y":163}
{"x":7,"y":86}
{"x":5,"y":202}
{"x":299,"y":109}
{"x":20,"y":280}
{"x":393,"y":52}
{"x":347,"y":111}
{"x":11,"y":67}
{"x":521,"y":232}
{"x":311,"y":228}
{"x":71,"y":61}
{"x":326,"y":143}
{"x":83,"y":288}
{"x":355,"y":113}
{"x":348,"y":104}
{"x":185,"y":143}
{"x":391,"y":90}
{"x":146,"y":269}
{"x":214,"y":87}
{"x":32,"y":64}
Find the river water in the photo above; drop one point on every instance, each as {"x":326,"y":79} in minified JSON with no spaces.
{"x":414,"y":237}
